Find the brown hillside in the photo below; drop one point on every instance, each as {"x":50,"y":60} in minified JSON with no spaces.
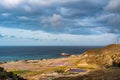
{"x":105,"y":57}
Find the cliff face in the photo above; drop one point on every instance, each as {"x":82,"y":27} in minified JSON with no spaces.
{"x":108,"y":56}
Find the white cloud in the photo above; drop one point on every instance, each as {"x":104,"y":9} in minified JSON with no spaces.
{"x":23,"y":18}
{"x":55,"y":20}
{"x":48,"y":2}
{"x":63,"y":10}
{"x":100,"y":30}
{"x":27,"y":8}
{"x":41,"y":2}
{"x":10,"y":3}
{"x":6,"y":14}
{"x":1,"y":36}
{"x":57,"y":39}
{"x":113,"y":6}
{"x":85,"y":22}
{"x":30,"y":5}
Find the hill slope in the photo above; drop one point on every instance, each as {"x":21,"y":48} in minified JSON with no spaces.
{"x":103,"y":58}
{"x":108,"y":56}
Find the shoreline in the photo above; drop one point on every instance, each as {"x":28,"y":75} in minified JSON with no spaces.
{"x":27,"y":53}
{"x":33,"y":59}
{"x":93,"y":62}
{"x":44,"y":67}
{"x":41,"y":58}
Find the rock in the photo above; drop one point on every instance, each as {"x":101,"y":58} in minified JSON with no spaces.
{"x":65,"y":54}
{"x":9,"y":75}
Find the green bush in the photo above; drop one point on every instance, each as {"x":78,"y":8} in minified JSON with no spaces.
{"x":21,"y":72}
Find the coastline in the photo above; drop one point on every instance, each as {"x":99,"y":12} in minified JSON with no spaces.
{"x":45,"y":67}
{"x":39,"y":52}
{"x":93,"y":62}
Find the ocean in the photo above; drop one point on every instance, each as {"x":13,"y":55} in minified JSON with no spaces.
{"x":13,"y":53}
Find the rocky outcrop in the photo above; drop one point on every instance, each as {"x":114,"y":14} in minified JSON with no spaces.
{"x":9,"y":75}
{"x":108,"y":56}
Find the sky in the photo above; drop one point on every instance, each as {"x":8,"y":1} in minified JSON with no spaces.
{"x":59,"y":22}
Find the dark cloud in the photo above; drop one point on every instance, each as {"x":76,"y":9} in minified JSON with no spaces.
{"x":68,"y":16}
{"x":113,"y":6}
{"x":111,"y":16}
{"x":109,"y":19}
{"x":114,"y":31}
{"x":12,"y":36}
{"x":82,"y":8}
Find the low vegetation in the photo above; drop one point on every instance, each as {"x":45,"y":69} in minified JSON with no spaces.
{"x":9,"y":75}
{"x":99,"y":64}
{"x":104,"y":74}
{"x":21,"y":72}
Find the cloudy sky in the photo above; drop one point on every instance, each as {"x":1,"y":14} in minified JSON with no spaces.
{"x":59,"y":22}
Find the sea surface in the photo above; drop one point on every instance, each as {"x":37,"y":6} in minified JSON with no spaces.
{"x":13,"y":53}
